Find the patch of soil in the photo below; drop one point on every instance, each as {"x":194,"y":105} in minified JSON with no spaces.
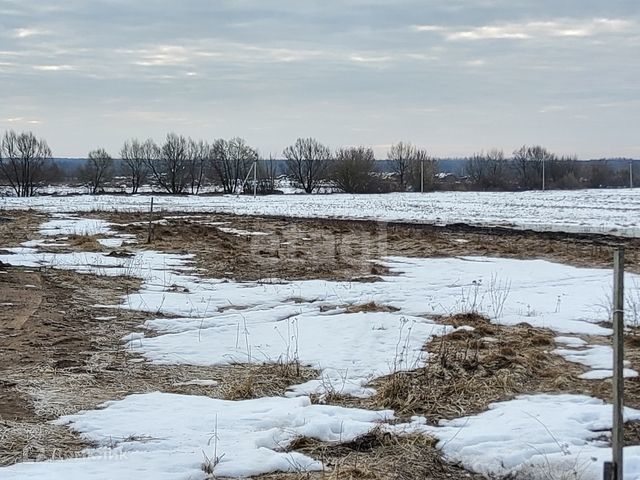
{"x":344,"y":250}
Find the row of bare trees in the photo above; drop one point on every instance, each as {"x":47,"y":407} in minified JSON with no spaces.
{"x":178,"y":165}
{"x":534,"y":167}
{"x":354,"y":170}
{"x":184,"y":165}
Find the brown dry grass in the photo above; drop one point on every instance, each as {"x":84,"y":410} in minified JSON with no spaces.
{"x":370,"y":307}
{"x":468,"y":370}
{"x":18,"y":226}
{"x":376,"y":455}
{"x":85,"y":243}
{"x":23,"y":442}
{"x":267,"y":380}
{"x":342,"y":249}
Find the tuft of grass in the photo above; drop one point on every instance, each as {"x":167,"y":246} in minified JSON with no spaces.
{"x":266,"y":380}
{"x":86,"y":243}
{"x":241,"y":389}
{"x":370,"y":307}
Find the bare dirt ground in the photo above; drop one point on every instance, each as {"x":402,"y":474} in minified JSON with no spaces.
{"x":60,"y":353}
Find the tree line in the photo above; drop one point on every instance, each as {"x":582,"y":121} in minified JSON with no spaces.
{"x":182,"y":165}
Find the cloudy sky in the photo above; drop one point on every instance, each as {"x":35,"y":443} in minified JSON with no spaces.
{"x":454,"y":76}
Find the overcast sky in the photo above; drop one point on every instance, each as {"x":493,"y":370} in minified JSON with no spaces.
{"x":454,"y":76}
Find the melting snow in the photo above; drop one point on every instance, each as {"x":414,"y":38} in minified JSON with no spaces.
{"x":537,"y":436}
{"x":166,"y":436}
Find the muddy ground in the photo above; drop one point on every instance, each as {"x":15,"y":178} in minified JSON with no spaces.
{"x":60,"y":353}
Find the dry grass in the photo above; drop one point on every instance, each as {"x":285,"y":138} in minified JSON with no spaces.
{"x":266,"y":380}
{"x":21,"y":442}
{"x":468,"y":370}
{"x":85,"y":243}
{"x":370,"y":307}
{"x":376,"y":455}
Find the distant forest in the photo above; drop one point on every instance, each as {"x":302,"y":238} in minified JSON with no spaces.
{"x":181,"y":165}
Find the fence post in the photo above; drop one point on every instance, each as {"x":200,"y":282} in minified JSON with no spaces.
{"x":615,"y":469}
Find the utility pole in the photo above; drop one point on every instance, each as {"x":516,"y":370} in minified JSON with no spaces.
{"x":422,"y":176}
{"x":631,"y":174}
{"x":543,"y":185}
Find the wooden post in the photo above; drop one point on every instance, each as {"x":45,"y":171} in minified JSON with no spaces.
{"x":150,"y":232}
{"x":615,"y":469}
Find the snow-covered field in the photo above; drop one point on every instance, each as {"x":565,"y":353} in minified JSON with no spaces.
{"x":219,"y":322}
{"x":589,"y":211}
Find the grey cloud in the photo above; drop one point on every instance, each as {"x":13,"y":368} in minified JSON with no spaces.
{"x":454,"y":75}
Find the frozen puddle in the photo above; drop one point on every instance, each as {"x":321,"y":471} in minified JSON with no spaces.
{"x":166,"y":437}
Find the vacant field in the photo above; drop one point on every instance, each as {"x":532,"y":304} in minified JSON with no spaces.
{"x":291,"y":348}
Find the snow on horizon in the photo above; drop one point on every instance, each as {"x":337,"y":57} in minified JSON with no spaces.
{"x":614,"y":211}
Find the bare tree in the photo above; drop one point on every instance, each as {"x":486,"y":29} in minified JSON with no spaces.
{"x":169,"y":164}
{"x":241,"y":156}
{"x":488,"y":171}
{"x":97,"y":170}
{"x":422,"y":170}
{"x":401,"y":155}
{"x":529,"y":163}
{"x":353,"y":168}
{"x":136,"y":158}
{"x":22,"y":159}
{"x":199,"y":154}
{"x":267,"y":174}
{"x":231,"y":161}
{"x":307,"y":163}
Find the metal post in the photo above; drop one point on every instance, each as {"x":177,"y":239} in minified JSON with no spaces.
{"x":255,"y":177}
{"x":617,"y":437}
{"x":422,"y":176}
